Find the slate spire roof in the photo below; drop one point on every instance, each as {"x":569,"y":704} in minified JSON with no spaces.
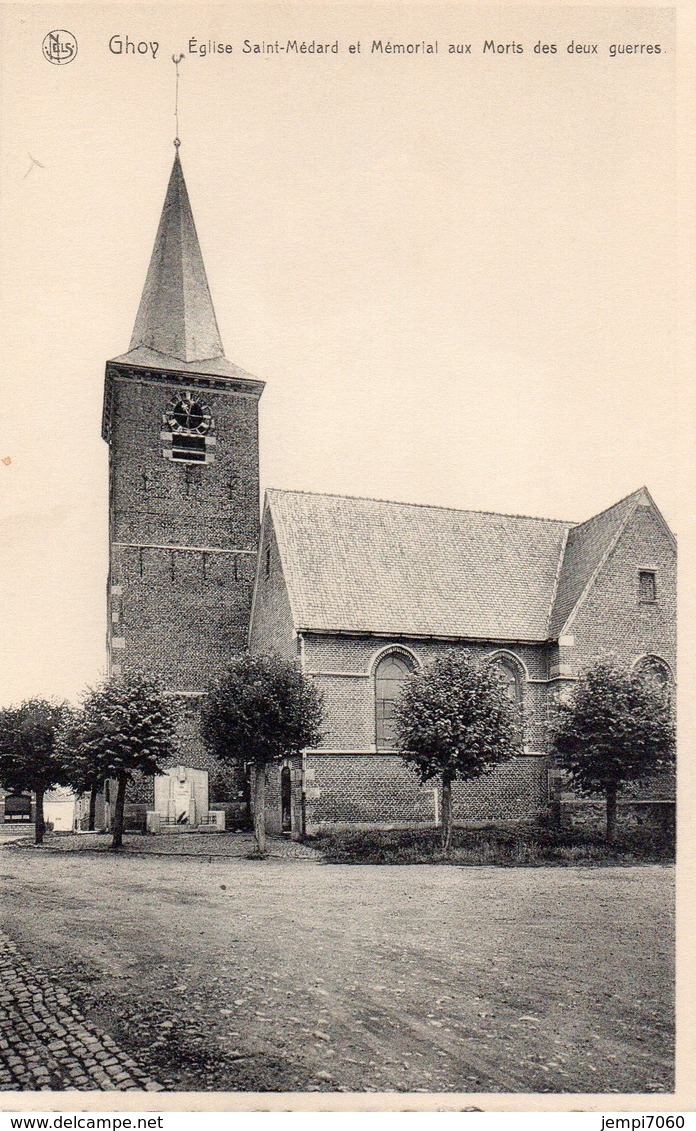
{"x":366,"y":565}
{"x":176,"y":327}
{"x":176,"y":315}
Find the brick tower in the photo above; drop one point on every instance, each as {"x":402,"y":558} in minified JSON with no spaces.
{"x":181,"y":422}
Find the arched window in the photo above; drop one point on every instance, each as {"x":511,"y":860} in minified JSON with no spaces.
{"x":512,"y":675}
{"x":656,"y":674}
{"x":391,"y":673}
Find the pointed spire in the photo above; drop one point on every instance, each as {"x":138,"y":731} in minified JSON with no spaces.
{"x":176,"y":316}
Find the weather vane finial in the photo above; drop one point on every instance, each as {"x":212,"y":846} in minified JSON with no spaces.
{"x":176,"y":60}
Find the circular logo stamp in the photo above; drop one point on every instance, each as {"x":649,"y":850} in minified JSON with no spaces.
{"x":59,"y":47}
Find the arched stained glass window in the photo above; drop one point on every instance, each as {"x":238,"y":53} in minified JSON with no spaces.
{"x":390,"y":675}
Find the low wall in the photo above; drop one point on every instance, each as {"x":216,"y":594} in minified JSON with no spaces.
{"x":379,"y":790}
{"x":630,"y":815}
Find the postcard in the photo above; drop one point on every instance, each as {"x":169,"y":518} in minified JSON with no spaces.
{"x":346,"y":445}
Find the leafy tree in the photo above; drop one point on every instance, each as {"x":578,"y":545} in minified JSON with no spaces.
{"x":260,"y":711}
{"x":454,"y":720}
{"x":615,"y":728}
{"x":126,"y":726}
{"x":84,"y":772}
{"x":30,"y":757}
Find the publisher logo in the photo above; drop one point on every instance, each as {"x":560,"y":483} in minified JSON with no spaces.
{"x":59,"y":47}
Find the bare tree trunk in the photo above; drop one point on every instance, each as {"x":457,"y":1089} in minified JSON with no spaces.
{"x":117,"y":841}
{"x":39,"y":822}
{"x":446,"y":814}
{"x":611,"y":814}
{"x":260,"y":807}
{"x":92,"y":807}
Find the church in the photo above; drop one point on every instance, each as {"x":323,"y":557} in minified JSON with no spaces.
{"x":359,"y":592}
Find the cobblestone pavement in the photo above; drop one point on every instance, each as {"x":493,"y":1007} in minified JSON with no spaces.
{"x":176,"y":844}
{"x":46,"y":1044}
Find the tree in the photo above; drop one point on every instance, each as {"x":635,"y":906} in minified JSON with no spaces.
{"x":615,"y":728}
{"x":126,"y":726}
{"x":455,"y":720}
{"x":260,"y":711}
{"x":84,"y":772}
{"x":30,"y":757}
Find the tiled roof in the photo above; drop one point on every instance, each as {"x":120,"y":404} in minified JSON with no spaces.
{"x":363,"y":565}
{"x":587,"y":545}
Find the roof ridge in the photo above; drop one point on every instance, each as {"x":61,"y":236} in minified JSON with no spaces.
{"x":424,"y":506}
{"x":557,"y":578}
{"x":613,"y":506}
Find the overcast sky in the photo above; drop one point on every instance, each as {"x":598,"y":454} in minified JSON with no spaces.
{"x":456,"y":273}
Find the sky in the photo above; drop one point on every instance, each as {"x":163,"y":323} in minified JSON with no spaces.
{"x":457,"y":273}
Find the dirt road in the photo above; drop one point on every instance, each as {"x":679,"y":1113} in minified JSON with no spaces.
{"x":292,"y":975}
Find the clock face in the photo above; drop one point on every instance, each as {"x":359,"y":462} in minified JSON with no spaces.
{"x":188,"y":416}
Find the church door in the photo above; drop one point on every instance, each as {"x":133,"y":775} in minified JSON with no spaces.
{"x":286,"y":800}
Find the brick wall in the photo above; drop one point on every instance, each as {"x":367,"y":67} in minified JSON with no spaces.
{"x":344,"y":670}
{"x":366,"y":789}
{"x":515,"y":790}
{"x":179,"y":615}
{"x":380,"y":789}
{"x":612,"y":619}
{"x":193,"y":504}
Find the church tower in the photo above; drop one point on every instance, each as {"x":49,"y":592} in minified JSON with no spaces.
{"x":181,"y":422}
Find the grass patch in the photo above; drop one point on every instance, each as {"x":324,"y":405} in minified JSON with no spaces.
{"x":522,"y":844}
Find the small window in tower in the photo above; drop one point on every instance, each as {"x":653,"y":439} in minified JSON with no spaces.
{"x":191,"y":448}
{"x":267,"y":561}
{"x":647,"y":586}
